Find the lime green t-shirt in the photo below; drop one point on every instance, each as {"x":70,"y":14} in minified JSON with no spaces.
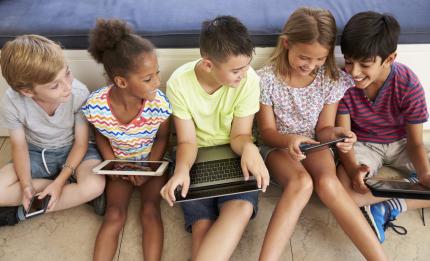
{"x":212,"y":114}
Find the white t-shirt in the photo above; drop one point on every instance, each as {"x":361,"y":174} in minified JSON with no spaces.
{"x":18,"y":111}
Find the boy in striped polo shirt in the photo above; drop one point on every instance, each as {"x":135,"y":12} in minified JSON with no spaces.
{"x":386,"y":110}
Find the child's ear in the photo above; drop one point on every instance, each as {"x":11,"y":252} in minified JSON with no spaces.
{"x":391,"y":58}
{"x":285,"y":42}
{"x":207,"y":64}
{"x":27,"y":92}
{"x":119,"y":81}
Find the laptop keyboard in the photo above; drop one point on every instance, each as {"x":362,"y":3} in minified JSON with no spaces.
{"x":216,"y":172}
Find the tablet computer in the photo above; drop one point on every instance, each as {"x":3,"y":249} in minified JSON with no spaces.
{"x":397,"y":189}
{"x":131,"y":167}
{"x":304,"y":147}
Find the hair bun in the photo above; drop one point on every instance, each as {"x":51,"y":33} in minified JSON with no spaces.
{"x":106,"y":36}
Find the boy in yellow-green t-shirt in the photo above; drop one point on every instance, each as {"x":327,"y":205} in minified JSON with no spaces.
{"x":214,"y":100}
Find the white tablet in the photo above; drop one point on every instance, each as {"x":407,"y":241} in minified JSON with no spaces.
{"x":130,"y":167}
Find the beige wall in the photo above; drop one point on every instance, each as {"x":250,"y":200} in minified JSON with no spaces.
{"x":86,"y":70}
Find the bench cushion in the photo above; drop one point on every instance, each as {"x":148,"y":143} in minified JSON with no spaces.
{"x":176,"y":24}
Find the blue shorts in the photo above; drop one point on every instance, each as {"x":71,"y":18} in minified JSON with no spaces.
{"x":47,"y":164}
{"x":265,"y":151}
{"x":209,"y":208}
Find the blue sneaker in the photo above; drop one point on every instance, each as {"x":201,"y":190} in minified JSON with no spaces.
{"x":379,"y":217}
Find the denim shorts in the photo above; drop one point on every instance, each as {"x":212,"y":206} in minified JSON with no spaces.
{"x":265,"y":151}
{"x":209,"y":208}
{"x":47,"y":163}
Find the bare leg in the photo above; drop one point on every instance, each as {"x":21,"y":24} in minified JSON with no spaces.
{"x":150,"y":218}
{"x":88,"y":187}
{"x":200,"y":229}
{"x":321,"y":166}
{"x":118,"y":193}
{"x":232,"y":221}
{"x":297,"y":185}
{"x":10,"y":189}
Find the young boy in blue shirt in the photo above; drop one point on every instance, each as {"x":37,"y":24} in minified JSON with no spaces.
{"x":48,"y":133}
{"x":386,"y":110}
{"x":214,"y":100}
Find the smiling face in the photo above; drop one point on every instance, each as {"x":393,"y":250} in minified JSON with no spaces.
{"x":305,"y":58}
{"x":144,"y":81}
{"x":55,"y":92}
{"x":366,"y":72}
{"x":232,"y":71}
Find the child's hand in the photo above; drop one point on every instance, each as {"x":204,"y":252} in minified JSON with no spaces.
{"x":348,"y":143}
{"x":178,"y":179}
{"x":251,"y":161}
{"x":357,"y":178}
{"x":54,"y":189}
{"x":27,"y":195}
{"x":425,"y":180}
{"x":294,"y":142}
{"x":137,"y":180}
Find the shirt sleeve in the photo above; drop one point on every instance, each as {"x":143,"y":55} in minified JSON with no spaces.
{"x":166,"y":107}
{"x":177,"y":100}
{"x":9,"y":115}
{"x":265,"y":93}
{"x":414,"y":105}
{"x":343,"y":107}
{"x":337,"y":89}
{"x":249,"y":97}
{"x":80,"y":95}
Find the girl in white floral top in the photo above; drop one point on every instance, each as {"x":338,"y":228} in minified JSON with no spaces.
{"x":300,"y":90}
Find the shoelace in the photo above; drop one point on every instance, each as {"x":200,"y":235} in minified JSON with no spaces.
{"x":398,"y":229}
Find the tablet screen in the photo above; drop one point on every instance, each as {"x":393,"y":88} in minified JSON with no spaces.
{"x":132,"y":166}
{"x":400,"y":186}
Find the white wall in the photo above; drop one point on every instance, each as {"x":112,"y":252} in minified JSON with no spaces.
{"x":86,"y":70}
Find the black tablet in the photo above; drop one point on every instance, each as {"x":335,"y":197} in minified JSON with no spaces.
{"x":397,"y":189}
{"x":305,"y":148}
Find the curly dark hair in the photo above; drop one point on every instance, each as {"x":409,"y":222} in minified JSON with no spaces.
{"x":113,"y":44}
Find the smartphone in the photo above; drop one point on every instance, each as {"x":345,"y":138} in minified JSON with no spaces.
{"x":305,"y":147}
{"x":397,"y":189}
{"x":37,"y":206}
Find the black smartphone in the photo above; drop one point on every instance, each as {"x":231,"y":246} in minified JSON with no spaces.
{"x":37,"y":206}
{"x":304,"y":147}
{"x":397,"y":189}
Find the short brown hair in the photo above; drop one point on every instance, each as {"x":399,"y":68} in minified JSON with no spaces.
{"x":307,"y":25}
{"x":29,"y":60}
{"x":225,"y":36}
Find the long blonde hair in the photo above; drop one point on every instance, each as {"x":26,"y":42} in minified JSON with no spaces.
{"x":306,"y":25}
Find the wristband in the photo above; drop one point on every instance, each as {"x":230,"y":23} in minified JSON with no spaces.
{"x":67,"y":165}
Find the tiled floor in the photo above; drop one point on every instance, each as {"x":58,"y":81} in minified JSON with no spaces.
{"x":70,"y":234}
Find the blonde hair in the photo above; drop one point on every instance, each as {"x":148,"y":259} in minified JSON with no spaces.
{"x":29,"y":60}
{"x":306,"y":25}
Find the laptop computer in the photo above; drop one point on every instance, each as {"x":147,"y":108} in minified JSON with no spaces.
{"x":216,"y":172}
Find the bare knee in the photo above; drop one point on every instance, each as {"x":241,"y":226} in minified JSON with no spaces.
{"x":328,"y":188}
{"x":93,"y":186}
{"x":150,"y":212}
{"x":243,"y":209}
{"x":115,"y":216}
{"x":301,"y":185}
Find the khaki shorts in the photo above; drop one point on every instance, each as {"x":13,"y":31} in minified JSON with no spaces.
{"x":376,"y":155}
